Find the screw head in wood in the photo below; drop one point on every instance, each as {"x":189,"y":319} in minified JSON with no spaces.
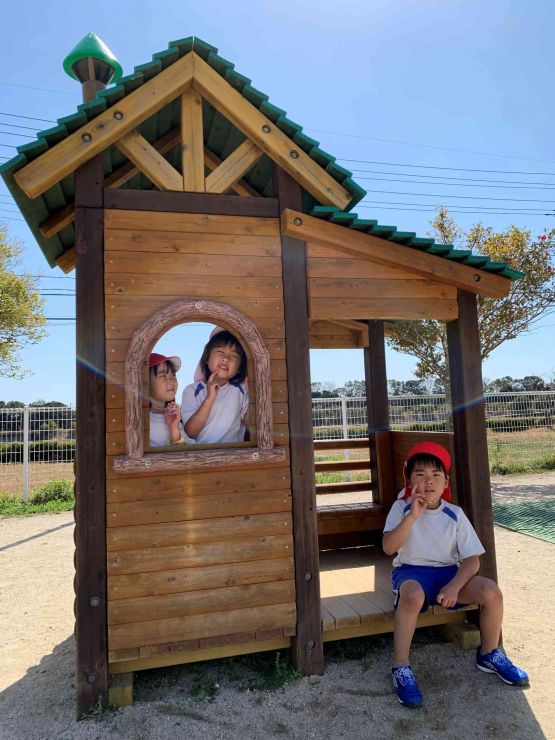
{"x":266,"y":129}
{"x":477,"y":278}
{"x":294,"y":154}
{"x":92,"y":678}
{"x":94,"y":601}
{"x":310,"y":645}
{"x":198,"y":305}
{"x":118,"y":115}
{"x":147,"y":463}
{"x":86,"y":138}
{"x":308,"y":576}
{"x":298,"y":221}
{"x":255,"y":456}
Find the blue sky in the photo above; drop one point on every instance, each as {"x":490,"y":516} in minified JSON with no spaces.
{"x":402,"y":87}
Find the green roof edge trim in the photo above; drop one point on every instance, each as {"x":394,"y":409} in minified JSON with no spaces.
{"x":447,"y":251}
{"x":33,"y":210}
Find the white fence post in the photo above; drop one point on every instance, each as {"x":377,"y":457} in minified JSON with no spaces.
{"x":346,"y":453}
{"x":26,"y":454}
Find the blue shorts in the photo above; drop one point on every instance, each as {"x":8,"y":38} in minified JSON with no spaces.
{"x":432,"y":579}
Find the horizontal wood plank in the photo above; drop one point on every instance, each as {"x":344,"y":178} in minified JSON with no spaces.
{"x":369,"y":288}
{"x":389,"y":308}
{"x":116,"y":349}
{"x":183,"y":580}
{"x":205,"y":483}
{"x":190,"y":222}
{"x":241,"y":549}
{"x":197,"y":507}
{"x":194,"y":532}
{"x":122,"y":326}
{"x":200,"y":625}
{"x":206,"y":601}
{"x":176,"y":242}
{"x":137,"y":284}
{"x":340,"y":266}
{"x":170,"y":265}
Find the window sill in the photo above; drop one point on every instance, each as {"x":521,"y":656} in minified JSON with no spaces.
{"x":191,"y":459}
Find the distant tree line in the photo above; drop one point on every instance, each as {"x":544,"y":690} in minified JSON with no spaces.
{"x":431,"y":386}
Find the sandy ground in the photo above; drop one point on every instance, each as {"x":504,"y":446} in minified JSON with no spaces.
{"x":354,"y":698}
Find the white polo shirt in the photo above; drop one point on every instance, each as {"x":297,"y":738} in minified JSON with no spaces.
{"x":442,"y":536}
{"x":225,"y":421}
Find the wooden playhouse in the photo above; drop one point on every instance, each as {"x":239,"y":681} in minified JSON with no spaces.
{"x":182,"y":194}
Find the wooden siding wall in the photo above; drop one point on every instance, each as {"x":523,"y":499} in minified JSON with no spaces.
{"x":343,"y":286}
{"x":195,"y":559}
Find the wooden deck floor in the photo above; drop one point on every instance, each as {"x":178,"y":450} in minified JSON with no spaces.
{"x":355,"y":587}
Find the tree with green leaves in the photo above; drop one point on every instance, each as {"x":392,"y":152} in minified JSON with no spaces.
{"x":500,"y":319}
{"x":22,"y":320}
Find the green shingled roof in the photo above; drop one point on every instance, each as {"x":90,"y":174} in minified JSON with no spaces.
{"x":220,"y":136}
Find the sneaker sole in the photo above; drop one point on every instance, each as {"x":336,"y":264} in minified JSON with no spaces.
{"x":510,"y":683}
{"x":410,"y":705}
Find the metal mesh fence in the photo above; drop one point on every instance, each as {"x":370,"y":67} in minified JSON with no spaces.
{"x":37,"y":445}
{"x":520,"y":426}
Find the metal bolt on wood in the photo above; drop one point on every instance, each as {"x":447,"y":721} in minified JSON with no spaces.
{"x":118,"y":115}
{"x":476,"y":278}
{"x":310,"y":645}
{"x":266,"y":129}
{"x":308,"y":576}
{"x":92,"y":678}
{"x":298,"y":221}
{"x":94,"y":601}
{"x":86,"y":138}
{"x":294,"y":154}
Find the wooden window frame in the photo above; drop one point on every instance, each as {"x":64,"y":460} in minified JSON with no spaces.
{"x":136,"y":460}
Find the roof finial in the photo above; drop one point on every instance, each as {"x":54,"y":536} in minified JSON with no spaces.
{"x":93,"y":64}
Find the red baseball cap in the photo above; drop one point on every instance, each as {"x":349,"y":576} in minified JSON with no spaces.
{"x":156,"y":359}
{"x":428,"y":448}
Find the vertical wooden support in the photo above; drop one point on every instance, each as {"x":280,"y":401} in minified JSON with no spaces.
{"x":90,"y":510}
{"x":469,"y":426}
{"x":377,"y":407}
{"x":192,"y":142}
{"x":307,"y":645}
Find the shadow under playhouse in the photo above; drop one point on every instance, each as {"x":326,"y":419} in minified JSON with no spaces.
{"x":178,"y":194}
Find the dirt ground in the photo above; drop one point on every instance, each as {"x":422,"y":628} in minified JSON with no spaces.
{"x":353,"y":700}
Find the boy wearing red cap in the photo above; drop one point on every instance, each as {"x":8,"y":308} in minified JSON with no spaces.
{"x":436,"y":561}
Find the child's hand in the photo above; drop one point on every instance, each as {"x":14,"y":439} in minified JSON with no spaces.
{"x":213,"y":385}
{"x":172,"y":415}
{"x":418,"y":503}
{"x":448,"y":596}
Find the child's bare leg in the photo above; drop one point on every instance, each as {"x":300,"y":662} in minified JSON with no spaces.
{"x":485,"y":593}
{"x":411,"y":599}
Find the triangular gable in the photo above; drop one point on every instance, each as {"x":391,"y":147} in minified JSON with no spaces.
{"x":140,"y":117}
{"x":186,"y":113}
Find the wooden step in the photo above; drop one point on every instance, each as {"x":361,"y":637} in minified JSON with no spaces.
{"x":347,"y":486}
{"x":338,"y":465}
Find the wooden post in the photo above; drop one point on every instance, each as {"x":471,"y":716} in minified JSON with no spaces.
{"x":377,"y":407}
{"x":469,"y":426}
{"x":90,"y":509}
{"x":307,"y":645}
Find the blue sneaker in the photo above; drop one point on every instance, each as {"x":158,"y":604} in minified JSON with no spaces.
{"x":406,"y":687}
{"x":497,"y":662}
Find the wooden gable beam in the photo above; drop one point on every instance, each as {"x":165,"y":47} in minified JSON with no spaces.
{"x":233,"y":167}
{"x":53,"y":224}
{"x":311,"y":229}
{"x":149,"y":161}
{"x":192,"y":142}
{"x":107,"y":128}
{"x":265,"y":134}
{"x":241,"y":187}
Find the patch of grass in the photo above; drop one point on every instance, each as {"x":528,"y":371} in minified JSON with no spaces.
{"x":271,"y":670}
{"x":52,"y":497}
{"x":99,"y":713}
